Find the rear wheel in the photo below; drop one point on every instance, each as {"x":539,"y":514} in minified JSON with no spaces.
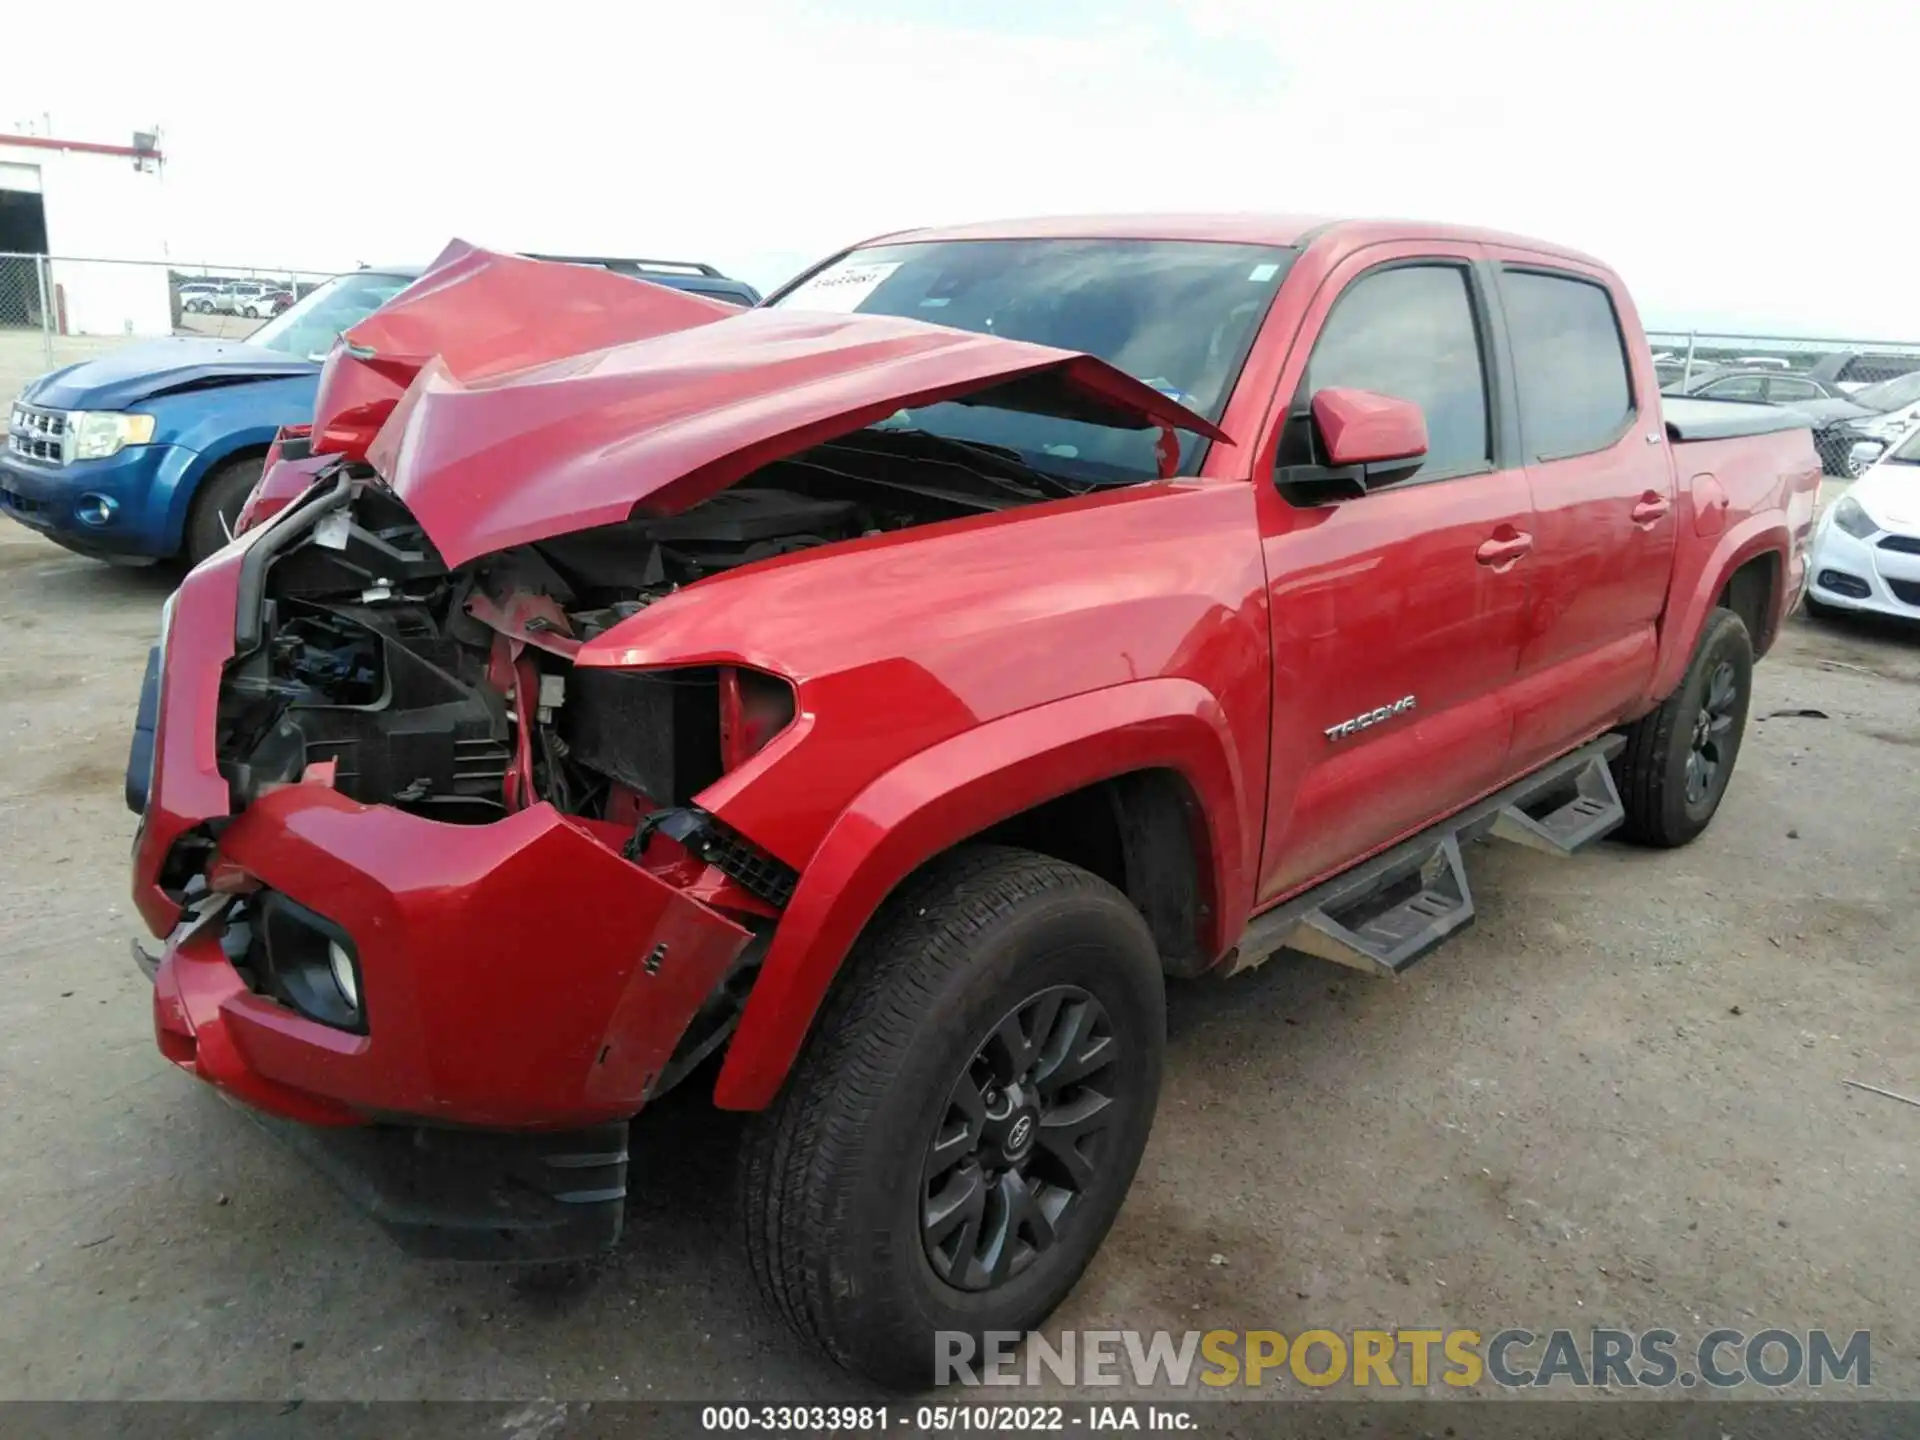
{"x":956,"y":1140}
{"x":217,"y":507}
{"x":1679,"y":759}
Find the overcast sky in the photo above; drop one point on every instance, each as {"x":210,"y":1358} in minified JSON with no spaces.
{"x":1744,"y":165}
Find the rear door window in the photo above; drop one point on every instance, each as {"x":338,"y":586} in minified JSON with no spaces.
{"x":1570,"y":361}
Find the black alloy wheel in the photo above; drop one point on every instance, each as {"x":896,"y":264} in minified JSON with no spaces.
{"x":1713,"y":731}
{"x":1022,"y":1139}
{"x":958,"y":1135}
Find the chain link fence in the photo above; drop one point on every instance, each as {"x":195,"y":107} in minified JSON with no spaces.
{"x":56,"y":310}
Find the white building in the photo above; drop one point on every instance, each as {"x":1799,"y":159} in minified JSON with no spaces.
{"x":87,"y":205}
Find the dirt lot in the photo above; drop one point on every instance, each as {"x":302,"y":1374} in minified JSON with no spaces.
{"x":1617,"y":1099}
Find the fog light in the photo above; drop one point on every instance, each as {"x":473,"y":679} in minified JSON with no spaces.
{"x":95,"y":509}
{"x":343,"y":975}
{"x":310,"y":964}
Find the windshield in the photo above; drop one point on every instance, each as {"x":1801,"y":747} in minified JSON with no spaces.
{"x":1894,"y":394}
{"x":1907,"y":452}
{"x":1178,"y":315}
{"x":309,"y":328}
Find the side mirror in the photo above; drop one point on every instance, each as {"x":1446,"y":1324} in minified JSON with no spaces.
{"x":1366,"y":441}
{"x":1358,"y":427}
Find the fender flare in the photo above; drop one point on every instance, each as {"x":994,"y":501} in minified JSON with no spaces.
{"x":1687,"y":612}
{"x":180,"y":498}
{"x":954,"y":790}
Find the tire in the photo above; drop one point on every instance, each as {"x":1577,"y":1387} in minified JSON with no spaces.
{"x":839,"y":1174}
{"x":221,"y":495}
{"x":1679,"y":759}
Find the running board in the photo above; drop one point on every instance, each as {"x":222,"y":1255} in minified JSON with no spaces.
{"x":1566,"y":819}
{"x":1387,"y":912}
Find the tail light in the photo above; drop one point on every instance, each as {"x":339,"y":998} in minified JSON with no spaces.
{"x":754,"y":708}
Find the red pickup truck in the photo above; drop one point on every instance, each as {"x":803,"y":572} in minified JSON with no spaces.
{"x":864,"y":702}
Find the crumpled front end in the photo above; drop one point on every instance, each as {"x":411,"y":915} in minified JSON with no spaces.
{"x":337,"y":952}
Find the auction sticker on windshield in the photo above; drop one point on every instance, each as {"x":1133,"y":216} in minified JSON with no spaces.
{"x":840,"y":288}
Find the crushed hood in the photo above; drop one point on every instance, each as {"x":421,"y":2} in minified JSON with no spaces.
{"x":515,"y":400}
{"x":140,"y":372}
{"x":482,"y":314}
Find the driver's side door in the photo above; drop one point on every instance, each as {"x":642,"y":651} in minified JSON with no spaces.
{"x":1409,"y":599}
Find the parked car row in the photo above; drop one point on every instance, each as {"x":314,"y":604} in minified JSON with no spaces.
{"x":1850,"y":428}
{"x":254,"y":299}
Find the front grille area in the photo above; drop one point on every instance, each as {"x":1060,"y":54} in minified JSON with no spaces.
{"x":1905,"y":544}
{"x":1907,"y":592}
{"x":20,"y":504}
{"x":750,"y":867}
{"x":38,"y":436}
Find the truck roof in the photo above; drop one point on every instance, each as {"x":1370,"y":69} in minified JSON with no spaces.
{"x":1238,"y":228}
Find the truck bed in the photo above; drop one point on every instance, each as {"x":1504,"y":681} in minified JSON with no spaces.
{"x":1691,"y":418}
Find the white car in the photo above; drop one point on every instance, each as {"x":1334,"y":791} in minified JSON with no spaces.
{"x":1866,"y":548}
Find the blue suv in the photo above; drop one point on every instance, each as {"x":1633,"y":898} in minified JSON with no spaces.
{"x":147,"y":453}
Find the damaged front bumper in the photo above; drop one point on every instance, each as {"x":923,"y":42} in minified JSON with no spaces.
{"x":518,"y":987}
{"x":521,"y":974}
{"x":521,"y":989}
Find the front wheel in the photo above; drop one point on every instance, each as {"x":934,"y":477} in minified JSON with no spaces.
{"x":216,"y":509}
{"x":956,"y":1140}
{"x":1678,"y":760}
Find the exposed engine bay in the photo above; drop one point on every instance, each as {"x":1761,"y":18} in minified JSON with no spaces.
{"x":451,"y":694}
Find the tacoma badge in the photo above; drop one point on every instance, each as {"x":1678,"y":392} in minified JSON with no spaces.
{"x":1368,"y":718}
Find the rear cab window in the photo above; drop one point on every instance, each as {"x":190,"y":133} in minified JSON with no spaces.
{"x":1569,"y":360}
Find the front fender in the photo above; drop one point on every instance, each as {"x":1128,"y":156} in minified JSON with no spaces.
{"x":176,"y":503}
{"x":1696,"y":588}
{"x":960,"y":787}
{"x":218,"y":425}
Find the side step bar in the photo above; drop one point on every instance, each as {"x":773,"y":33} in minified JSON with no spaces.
{"x":1387,"y":912}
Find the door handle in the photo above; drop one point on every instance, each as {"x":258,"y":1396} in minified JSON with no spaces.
{"x":1650,"y":508}
{"x":1504,"y":550}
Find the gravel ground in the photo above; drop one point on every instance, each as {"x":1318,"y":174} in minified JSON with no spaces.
{"x":1616,"y":1099}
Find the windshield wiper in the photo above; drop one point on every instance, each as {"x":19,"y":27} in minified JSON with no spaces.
{"x":1008,"y":471}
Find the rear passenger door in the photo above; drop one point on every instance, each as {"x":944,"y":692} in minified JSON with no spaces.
{"x":1603,"y":502}
{"x":1400,"y":609}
